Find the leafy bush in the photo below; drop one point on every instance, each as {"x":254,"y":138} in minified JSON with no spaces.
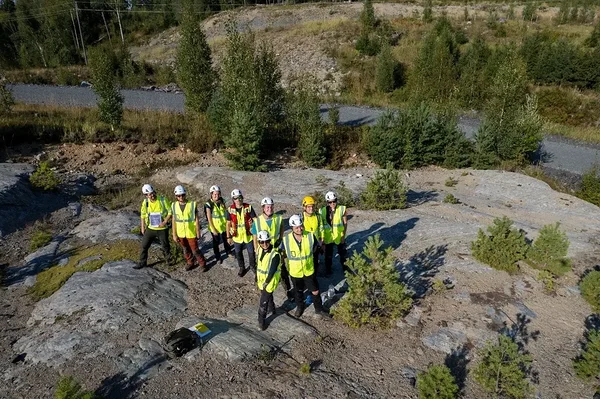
{"x":437,"y":383}
{"x":590,"y":186}
{"x":375,"y":296}
{"x":587,"y":364}
{"x":503,"y":369}
{"x":110,"y":103}
{"x":44,"y":178}
{"x":548,"y":280}
{"x":69,"y":388}
{"x":451,"y":199}
{"x":549,"y":250}
{"x":6,"y":99}
{"x":590,"y":289}
{"x":40,"y":238}
{"x":384,"y":191}
{"x":503,"y":248}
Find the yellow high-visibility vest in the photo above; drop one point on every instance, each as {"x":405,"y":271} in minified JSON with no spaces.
{"x":312,"y":223}
{"x":300,"y":257}
{"x":275,"y":228}
{"x":217,"y":214}
{"x":334,"y":233}
{"x":160,"y":205}
{"x":262,"y":269}
{"x":185,"y":221}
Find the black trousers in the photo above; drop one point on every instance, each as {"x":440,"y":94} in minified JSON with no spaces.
{"x":216,"y":240}
{"x":311,"y":284}
{"x":341,"y":250}
{"x":239,"y":254}
{"x":147,"y":240}
{"x":265,"y":305}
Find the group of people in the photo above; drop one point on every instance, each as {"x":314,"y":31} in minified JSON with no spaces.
{"x":273,"y":256}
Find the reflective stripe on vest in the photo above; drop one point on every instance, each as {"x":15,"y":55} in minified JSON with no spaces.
{"x":262,"y":270}
{"x":274,"y":230}
{"x":217,"y":214}
{"x":334,"y":233}
{"x":185,"y":221}
{"x":300,"y":259}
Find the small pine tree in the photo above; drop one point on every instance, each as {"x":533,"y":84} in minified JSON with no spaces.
{"x":589,"y":189}
{"x":437,"y":383}
{"x":428,"y":11}
{"x":375,"y":296}
{"x":549,"y":250}
{"x":385,"y":70}
{"x":503,"y":248}
{"x":69,"y":388}
{"x":367,"y":17}
{"x":503,"y":369}
{"x":305,"y":117}
{"x":44,"y":178}
{"x":6,"y":99}
{"x":244,"y":140}
{"x":384,"y":191}
{"x":194,"y":65}
{"x":104,"y":74}
{"x":590,"y":289}
{"x":587,"y":364}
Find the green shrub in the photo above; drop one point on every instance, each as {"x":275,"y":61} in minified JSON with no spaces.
{"x":450,"y":182}
{"x":305,"y":118}
{"x":69,"y":388}
{"x":375,"y":296}
{"x":548,"y":280}
{"x":104,"y":73}
{"x":437,"y":383}
{"x":44,"y":178}
{"x":40,"y":238}
{"x":344,"y":194}
{"x":304,"y":369}
{"x":503,"y":369}
{"x":549,"y":250}
{"x":503,"y":248}
{"x":428,"y":12}
{"x":590,"y":186}
{"x":6,"y":99}
{"x":384,"y":191}
{"x":386,"y":70}
{"x":594,"y":38}
{"x":529,"y":12}
{"x":587,"y":364}
{"x":590,"y":289}
{"x":451,"y":199}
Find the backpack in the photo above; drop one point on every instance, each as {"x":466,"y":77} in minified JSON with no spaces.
{"x":180,"y":341}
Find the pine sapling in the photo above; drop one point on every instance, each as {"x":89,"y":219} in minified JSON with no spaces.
{"x":437,"y":383}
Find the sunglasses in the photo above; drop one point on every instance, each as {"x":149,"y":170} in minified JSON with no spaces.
{"x":332,"y":202}
{"x":238,"y":198}
{"x":264,"y":242}
{"x":180,"y":195}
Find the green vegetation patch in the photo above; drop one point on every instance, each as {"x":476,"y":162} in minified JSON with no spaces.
{"x":44,"y":178}
{"x":590,"y":289}
{"x":437,"y":383}
{"x":502,"y":248}
{"x":50,"y":280}
{"x":40,"y":238}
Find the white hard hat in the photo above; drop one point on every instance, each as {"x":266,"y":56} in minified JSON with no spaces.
{"x":266,"y":201}
{"x":263,"y":235}
{"x":236,"y":193}
{"x":295,"y":221}
{"x":179,"y":190}
{"x":147,"y":189}
{"x":215,"y":188}
{"x":330,"y":196}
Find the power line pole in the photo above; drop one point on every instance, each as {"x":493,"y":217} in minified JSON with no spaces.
{"x":119,"y":19}
{"x":106,"y":26}
{"x":75,"y":37}
{"x":80,"y":33}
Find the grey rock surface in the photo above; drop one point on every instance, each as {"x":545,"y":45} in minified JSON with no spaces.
{"x":34,"y":263}
{"x":94,"y":304}
{"x":108,"y":226}
{"x":15,"y":194}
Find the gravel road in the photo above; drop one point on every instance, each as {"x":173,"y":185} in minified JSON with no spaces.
{"x":559,"y":154}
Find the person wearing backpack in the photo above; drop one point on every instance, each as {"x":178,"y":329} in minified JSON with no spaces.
{"x":240,"y":217}
{"x":186,"y":229}
{"x":215,"y":211}
{"x":268,"y":274}
{"x":154,"y":224}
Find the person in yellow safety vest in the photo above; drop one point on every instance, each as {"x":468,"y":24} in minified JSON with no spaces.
{"x":155,"y":216}
{"x":268,"y":274}
{"x":186,"y":229}
{"x":240,"y":217}
{"x":312,"y":223}
{"x":299,"y":247}
{"x":335,"y":223}
{"x":215,"y":211}
{"x":272,"y":222}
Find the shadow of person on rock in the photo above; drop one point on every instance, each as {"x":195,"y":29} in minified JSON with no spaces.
{"x":121,"y":386}
{"x":420,"y":268}
{"x":457,"y":362}
{"x":415,"y":198}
